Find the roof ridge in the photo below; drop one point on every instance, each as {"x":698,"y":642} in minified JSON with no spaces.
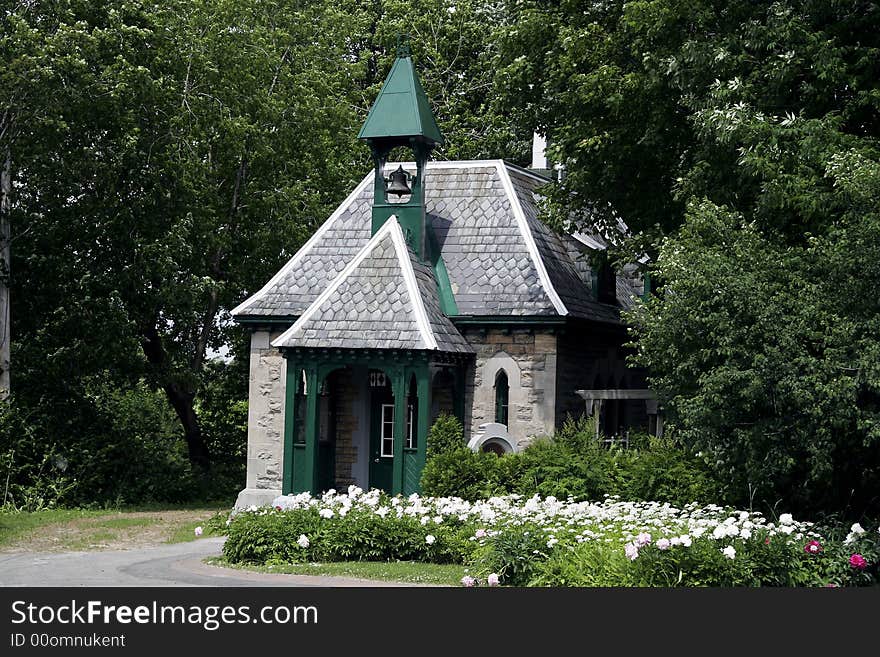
{"x":529,"y":238}
{"x":391,"y":228}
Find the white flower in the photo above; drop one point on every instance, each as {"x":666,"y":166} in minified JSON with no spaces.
{"x":429,"y":539}
{"x":552,"y":542}
{"x":424,"y":520}
{"x":729,"y":552}
{"x":326,"y":513}
{"x":663,"y":543}
{"x":303,"y":541}
{"x":492,"y":579}
{"x":198,"y":531}
{"x":745,"y":533}
{"x":856,"y":529}
{"x":785,"y":519}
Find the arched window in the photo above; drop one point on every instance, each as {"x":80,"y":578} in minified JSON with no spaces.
{"x":502,"y":392}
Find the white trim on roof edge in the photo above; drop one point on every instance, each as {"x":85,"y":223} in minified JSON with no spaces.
{"x":410,"y":277}
{"x":305,"y":248}
{"x":523,"y":224}
{"x":393,"y":227}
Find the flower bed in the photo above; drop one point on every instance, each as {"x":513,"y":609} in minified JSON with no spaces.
{"x":515,"y":541}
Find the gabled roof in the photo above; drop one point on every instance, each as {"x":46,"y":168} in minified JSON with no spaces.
{"x":401,"y":108}
{"x":383,"y":299}
{"x":501,"y":259}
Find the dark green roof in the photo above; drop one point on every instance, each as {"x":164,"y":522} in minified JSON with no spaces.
{"x":402,"y":108}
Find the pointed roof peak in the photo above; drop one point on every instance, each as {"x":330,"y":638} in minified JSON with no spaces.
{"x":402,"y":108}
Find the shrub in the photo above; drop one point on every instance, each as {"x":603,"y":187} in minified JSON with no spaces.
{"x":571,"y":464}
{"x":445,"y":435}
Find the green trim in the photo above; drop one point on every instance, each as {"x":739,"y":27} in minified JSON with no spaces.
{"x":423,"y":424}
{"x":399,"y":390}
{"x":646,"y":294}
{"x":290,"y":391}
{"x":502,"y":395}
{"x":313,"y":384}
{"x":444,"y":286}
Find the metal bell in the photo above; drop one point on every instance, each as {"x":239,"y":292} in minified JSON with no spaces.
{"x":397,"y":183}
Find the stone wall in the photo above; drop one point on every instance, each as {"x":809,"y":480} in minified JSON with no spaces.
{"x":266,"y":386}
{"x":528,"y":356}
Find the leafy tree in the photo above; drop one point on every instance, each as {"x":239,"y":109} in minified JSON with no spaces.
{"x":739,"y":141}
{"x":165,"y":160}
{"x":650,"y":103}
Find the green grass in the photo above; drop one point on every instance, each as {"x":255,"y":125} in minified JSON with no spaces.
{"x":210,"y":527}
{"x":410,"y":572}
{"x":14,"y":524}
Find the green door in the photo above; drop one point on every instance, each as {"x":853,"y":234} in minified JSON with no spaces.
{"x":381,"y":431}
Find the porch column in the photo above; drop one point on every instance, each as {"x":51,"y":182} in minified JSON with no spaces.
{"x":398,"y":387}
{"x":291,"y":389}
{"x":310,"y":470}
{"x":423,"y":421}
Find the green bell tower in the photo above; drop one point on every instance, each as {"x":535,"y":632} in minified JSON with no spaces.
{"x":401,"y":116}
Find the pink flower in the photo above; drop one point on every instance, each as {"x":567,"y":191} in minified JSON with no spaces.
{"x":813,"y":547}
{"x":643,"y":539}
{"x":492,"y":579}
{"x":663,"y":544}
{"x":632,"y":551}
{"x":198,"y":531}
{"x":278,"y":508}
{"x":467,"y":580}
{"x":480,"y":533}
{"x":858,"y":562}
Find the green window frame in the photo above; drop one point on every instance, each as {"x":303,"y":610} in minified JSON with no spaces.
{"x":502,"y":398}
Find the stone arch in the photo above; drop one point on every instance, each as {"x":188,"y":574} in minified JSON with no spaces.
{"x":508,"y":437}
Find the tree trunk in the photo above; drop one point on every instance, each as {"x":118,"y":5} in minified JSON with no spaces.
{"x":181,"y":400}
{"x":5,"y":268}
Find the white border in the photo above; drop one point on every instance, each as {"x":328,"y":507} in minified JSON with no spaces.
{"x":305,"y":248}
{"x":523,"y":224}
{"x":421,"y":316}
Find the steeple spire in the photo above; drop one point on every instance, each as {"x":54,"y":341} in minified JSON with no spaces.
{"x":401,"y":116}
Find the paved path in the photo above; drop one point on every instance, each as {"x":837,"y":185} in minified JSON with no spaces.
{"x":178,"y":564}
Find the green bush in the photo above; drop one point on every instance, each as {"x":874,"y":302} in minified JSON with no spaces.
{"x":571,"y":464}
{"x":445,"y":435}
{"x":270,"y":535}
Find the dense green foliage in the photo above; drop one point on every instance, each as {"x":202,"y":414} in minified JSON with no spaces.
{"x":740,"y":141}
{"x":166,"y":159}
{"x":571,"y":464}
{"x":266,"y":537}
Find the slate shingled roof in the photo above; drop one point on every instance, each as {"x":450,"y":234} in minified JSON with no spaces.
{"x":501,"y":260}
{"x":383,"y":299}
